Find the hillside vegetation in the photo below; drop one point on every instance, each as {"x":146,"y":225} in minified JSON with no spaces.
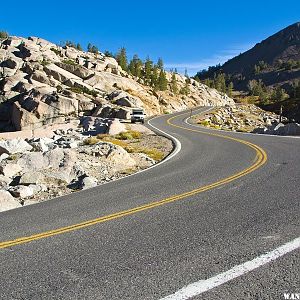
{"x":269,"y":73}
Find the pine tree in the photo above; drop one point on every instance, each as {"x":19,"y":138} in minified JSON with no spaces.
{"x":208,"y":82}
{"x":3,"y":35}
{"x":186,"y":73}
{"x":162,"y":81}
{"x":148,"y":70}
{"x":135,"y":66}
{"x":95,"y":49}
{"x":78,"y":47}
{"x":220,"y":83}
{"x":174,"y":86}
{"x":230,"y":89}
{"x":160,"y":64}
{"x":185,"y":90}
{"x":108,"y":53}
{"x":154,"y":78}
{"x":122,"y":59}
{"x":89,"y":47}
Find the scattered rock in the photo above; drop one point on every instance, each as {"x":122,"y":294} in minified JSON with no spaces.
{"x":32,"y":177}
{"x":88,"y":182}
{"x":7,"y":201}
{"x":4,"y":181}
{"x":115,"y":127}
{"x":21,"y":191}
{"x":33,"y":161}
{"x":10,"y":170}
{"x":14,"y":146}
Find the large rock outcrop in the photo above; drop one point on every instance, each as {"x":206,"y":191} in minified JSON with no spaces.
{"x":42,"y":83}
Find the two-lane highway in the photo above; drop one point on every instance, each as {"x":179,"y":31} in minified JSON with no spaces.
{"x":220,"y":202}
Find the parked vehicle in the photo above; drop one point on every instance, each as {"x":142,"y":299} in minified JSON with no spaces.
{"x":138,"y":115}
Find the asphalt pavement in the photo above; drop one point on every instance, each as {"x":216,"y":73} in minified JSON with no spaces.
{"x":150,"y":251}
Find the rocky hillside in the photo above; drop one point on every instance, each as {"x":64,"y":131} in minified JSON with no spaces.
{"x":247,"y":118}
{"x":37,"y":169}
{"x":42,"y":83}
{"x":275,"y":60}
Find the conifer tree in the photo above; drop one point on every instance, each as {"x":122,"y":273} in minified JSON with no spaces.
{"x":154,"y":78}
{"x":135,"y":66}
{"x":185,"y":90}
{"x":78,"y":47}
{"x":89,"y":47}
{"x":174,"y":86}
{"x":230,"y":89}
{"x":186,"y":73}
{"x":148,"y":70}
{"x":122,"y":59}
{"x":162,"y":81}
{"x":160,"y":64}
{"x":108,"y":53}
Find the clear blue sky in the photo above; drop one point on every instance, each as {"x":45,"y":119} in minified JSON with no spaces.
{"x":192,"y":34}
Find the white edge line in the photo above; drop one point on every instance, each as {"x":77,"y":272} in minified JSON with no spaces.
{"x":202,"y":286}
{"x":175,"y":151}
{"x":235,"y":132}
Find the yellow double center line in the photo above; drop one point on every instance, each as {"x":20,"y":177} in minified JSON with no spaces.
{"x":260,"y":159}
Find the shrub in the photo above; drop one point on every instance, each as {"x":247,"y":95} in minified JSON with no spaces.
{"x":91,"y":141}
{"x":84,"y":90}
{"x":56,"y":51}
{"x":128,"y":135}
{"x":204,"y":122}
{"x":70,"y":62}
{"x":117,"y":142}
{"x":3,"y":35}
{"x":151,"y":152}
{"x":45,"y":62}
{"x":102,"y":136}
{"x":13,"y":157}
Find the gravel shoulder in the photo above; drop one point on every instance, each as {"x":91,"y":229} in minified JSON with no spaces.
{"x":38,"y":169}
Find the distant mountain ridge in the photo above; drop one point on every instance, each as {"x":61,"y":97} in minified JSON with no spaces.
{"x":283,"y":45}
{"x":275,"y":60}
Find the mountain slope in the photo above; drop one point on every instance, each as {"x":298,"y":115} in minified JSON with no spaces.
{"x":275,"y":60}
{"x":284,"y":45}
{"x":42,"y":83}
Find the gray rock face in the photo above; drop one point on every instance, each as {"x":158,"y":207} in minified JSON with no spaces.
{"x":32,"y":161}
{"x":14,"y":146}
{"x":10,"y":170}
{"x":21,"y":191}
{"x":120,"y":157}
{"x":88,"y":182}
{"x":124,"y":99}
{"x":115,"y":127}
{"x":40,"y":146}
{"x":34,"y":63}
{"x":280,"y":129}
{"x":30,"y":178}
{"x":4,"y":182}
{"x":7,"y":201}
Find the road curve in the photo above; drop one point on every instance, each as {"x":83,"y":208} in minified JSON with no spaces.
{"x":218,"y":203}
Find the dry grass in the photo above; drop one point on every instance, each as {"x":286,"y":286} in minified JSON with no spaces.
{"x":129,"y":135}
{"x":204,"y":123}
{"x":91,"y":140}
{"x":126,"y":140}
{"x":151,"y":152}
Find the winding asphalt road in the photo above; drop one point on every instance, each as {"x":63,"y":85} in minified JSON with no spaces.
{"x":220,"y":202}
